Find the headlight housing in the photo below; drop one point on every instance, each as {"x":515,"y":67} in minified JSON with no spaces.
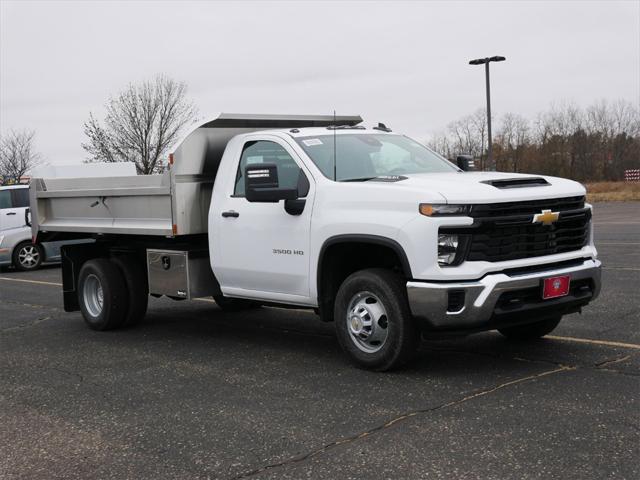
{"x":437,"y":210}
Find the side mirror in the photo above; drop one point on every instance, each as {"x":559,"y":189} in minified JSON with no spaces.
{"x":261,"y":184}
{"x":465,"y":162}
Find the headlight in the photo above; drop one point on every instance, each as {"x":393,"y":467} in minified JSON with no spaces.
{"x":435,"y":210}
{"x":447,"y":248}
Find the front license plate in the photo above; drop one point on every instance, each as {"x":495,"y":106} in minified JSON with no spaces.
{"x":554,"y":287}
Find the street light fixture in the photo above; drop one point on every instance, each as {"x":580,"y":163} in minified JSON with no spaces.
{"x":486,"y":62}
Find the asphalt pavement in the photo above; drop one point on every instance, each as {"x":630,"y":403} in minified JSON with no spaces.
{"x":194,"y":392}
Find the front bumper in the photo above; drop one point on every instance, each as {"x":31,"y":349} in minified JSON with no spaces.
{"x":5,"y":256}
{"x":500,"y":297}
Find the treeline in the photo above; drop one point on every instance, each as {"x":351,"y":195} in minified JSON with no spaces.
{"x":597,"y":143}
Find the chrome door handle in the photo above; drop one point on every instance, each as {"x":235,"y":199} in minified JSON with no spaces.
{"x":230,"y":213}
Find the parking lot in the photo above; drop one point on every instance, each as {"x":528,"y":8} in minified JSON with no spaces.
{"x":193,"y":392}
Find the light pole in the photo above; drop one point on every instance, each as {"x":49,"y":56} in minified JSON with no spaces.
{"x":486,"y":62}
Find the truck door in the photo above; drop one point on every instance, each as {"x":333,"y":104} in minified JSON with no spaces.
{"x":259,"y":247}
{"x":13,"y":203}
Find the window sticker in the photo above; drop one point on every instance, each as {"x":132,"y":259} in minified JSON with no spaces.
{"x":312,"y":141}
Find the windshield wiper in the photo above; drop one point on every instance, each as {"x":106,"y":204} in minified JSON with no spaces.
{"x":361,"y":179}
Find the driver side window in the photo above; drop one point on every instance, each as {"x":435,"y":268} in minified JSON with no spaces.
{"x":264,"y":151}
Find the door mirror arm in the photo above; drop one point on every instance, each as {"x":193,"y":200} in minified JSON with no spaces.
{"x":295,"y":207}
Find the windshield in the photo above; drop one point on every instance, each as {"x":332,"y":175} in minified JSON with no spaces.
{"x":364,"y":156}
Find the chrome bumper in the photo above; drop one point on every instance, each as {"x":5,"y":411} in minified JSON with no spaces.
{"x":429,"y":301}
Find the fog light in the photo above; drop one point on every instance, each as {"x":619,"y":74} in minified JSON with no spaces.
{"x":447,"y":248}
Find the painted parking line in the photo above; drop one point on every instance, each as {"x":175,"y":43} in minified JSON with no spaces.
{"x":38,"y":282}
{"x":588,"y":341}
{"x":616,"y":223}
{"x":616,"y":243}
{"x":56,"y":284}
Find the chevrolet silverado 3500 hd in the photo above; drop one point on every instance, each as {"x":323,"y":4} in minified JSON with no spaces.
{"x":369,"y":228}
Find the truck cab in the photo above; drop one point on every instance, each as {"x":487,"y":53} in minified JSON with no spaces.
{"x":367,"y":227}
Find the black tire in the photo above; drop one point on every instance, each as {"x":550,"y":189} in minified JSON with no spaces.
{"x":135,"y":279}
{"x":401,"y":336}
{"x":530,"y":331}
{"x":115,"y":299}
{"x":27,"y":256}
{"x":234,"y":304}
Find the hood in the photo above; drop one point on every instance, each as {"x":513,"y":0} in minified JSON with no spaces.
{"x":492,"y":187}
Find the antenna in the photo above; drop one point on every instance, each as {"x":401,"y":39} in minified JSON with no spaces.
{"x":335,"y":163}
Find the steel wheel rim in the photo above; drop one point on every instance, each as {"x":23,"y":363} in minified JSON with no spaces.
{"x":28,"y":256}
{"x":367,"y":322}
{"x":93,"y":295}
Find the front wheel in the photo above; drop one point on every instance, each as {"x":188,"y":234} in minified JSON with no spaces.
{"x":531,"y":331}
{"x":27,"y":256}
{"x":373,"y":322}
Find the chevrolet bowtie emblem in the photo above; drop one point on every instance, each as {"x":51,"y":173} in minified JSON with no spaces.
{"x":547,"y":217}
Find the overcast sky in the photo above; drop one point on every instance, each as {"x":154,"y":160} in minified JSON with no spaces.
{"x":404,"y":64}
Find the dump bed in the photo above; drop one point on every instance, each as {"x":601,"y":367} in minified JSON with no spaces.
{"x":171,"y":204}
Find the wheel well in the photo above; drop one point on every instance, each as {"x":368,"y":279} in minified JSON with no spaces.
{"x":341,"y":257}
{"x":74,"y":256}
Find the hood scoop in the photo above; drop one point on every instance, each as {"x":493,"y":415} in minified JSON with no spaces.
{"x":517,"y":182}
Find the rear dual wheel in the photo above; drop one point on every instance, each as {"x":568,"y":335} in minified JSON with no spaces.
{"x":112,"y":292}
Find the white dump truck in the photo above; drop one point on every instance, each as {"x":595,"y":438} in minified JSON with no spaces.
{"x":367,"y":227}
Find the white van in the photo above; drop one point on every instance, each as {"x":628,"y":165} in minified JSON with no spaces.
{"x":14,"y":202}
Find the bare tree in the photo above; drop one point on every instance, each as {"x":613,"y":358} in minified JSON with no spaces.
{"x":513,"y":137}
{"x":17,"y":155}
{"x":591,"y":144}
{"x":442,"y":144}
{"x":468,"y":135}
{"x":142,"y":122}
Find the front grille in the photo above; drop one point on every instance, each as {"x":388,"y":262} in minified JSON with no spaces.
{"x":526,"y":208}
{"x":505,"y":231}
